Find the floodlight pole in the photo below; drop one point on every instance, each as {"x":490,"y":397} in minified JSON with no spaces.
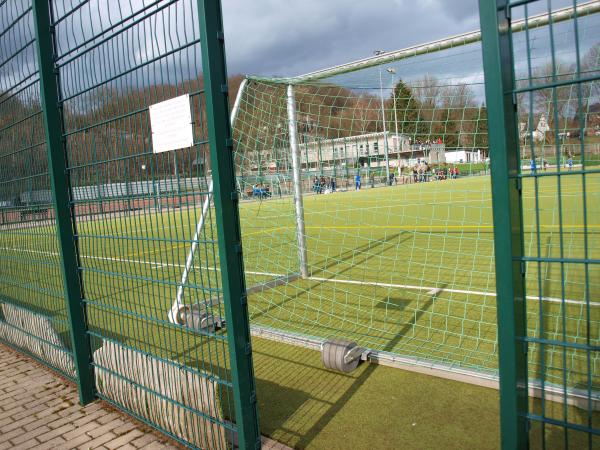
{"x":385,"y":143}
{"x":296,"y":165}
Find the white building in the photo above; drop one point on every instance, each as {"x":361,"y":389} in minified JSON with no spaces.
{"x":319,"y":153}
{"x":365,"y":149}
{"x":463,"y":156}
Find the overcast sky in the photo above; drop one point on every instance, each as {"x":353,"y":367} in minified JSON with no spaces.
{"x":283,"y":37}
{"x":286,"y":38}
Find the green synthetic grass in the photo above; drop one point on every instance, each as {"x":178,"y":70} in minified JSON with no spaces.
{"x":368,"y":253}
{"x":437,"y":235}
{"x":374,"y":257}
{"x":305,"y":406}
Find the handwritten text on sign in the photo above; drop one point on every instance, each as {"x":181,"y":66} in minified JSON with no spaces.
{"x":171,"y":123}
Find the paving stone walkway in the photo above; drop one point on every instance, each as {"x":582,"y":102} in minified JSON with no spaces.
{"x":39,"y":410}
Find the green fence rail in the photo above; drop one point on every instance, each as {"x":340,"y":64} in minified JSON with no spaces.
{"x":96,"y":225}
{"x":529,"y":255}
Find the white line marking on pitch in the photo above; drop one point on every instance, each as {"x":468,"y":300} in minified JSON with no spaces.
{"x":431,"y":290}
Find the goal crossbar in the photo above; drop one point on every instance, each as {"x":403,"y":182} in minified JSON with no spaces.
{"x":536,"y":21}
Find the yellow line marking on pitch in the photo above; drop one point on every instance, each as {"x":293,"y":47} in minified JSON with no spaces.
{"x":268,"y":230}
{"x":403,"y":227}
{"x":354,"y":227}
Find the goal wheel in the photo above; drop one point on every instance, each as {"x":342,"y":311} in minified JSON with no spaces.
{"x":196,"y":320}
{"x":340,"y":355}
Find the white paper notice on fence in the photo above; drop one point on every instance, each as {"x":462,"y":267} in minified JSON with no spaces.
{"x":171,"y":123}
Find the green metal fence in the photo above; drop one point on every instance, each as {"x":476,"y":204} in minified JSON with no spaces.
{"x":96,"y":226}
{"x":31,"y":287}
{"x":121,"y":267}
{"x":531,"y":242}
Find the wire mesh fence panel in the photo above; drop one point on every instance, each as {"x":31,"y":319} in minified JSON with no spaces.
{"x":397,"y":214}
{"x":133,"y":199}
{"x":33,"y":313}
{"x":366,"y":212}
{"x":548,"y":181}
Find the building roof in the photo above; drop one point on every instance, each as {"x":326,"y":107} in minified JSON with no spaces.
{"x":377,"y":134}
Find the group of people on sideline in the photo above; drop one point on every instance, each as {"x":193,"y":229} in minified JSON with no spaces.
{"x":419,"y":173}
{"x":324,"y":185}
{"x":544,"y":164}
{"x":260,"y":191}
{"x":358,"y":181}
{"x":423,"y":172}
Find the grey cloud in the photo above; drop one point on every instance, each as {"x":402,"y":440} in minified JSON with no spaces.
{"x":279,"y":37}
{"x":288,"y":38}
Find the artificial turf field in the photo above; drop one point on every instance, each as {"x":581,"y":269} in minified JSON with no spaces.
{"x":405,"y":269}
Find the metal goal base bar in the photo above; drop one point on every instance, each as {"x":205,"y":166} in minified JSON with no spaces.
{"x":574,"y":396}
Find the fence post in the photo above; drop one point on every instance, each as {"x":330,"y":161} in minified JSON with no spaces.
{"x":61,"y":187}
{"x":508,"y":223}
{"x":226,"y":200}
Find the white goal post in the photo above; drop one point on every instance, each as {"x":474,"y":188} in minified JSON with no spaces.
{"x":195,"y":316}
{"x":179,"y":313}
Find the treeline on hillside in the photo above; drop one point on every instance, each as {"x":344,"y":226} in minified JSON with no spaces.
{"x":108,"y":137}
{"x":566,"y":108}
{"x":23,"y":160}
{"x":424,"y":110}
{"x":108,"y":134}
